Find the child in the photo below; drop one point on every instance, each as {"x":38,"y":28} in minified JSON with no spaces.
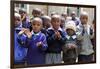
{"x":55,"y":40}
{"x":25,"y":19}
{"x":86,"y":52}
{"x":35,"y":41}
{"x":36,"y":12}
{"x":74,"y":18}
{"x":62,"y":25}
{"x":70,"y":52}
{"x":19,"y":51}
{"x":46,"y":23}
{"x":64,"y":15}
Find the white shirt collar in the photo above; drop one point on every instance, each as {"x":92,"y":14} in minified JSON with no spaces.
{"x":35,"y":33}
{"x":68,"y":37}
{"x":51,"y":28}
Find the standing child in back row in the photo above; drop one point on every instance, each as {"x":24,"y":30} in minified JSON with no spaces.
{"x":86,"y":50}
{"x":55,"y":40}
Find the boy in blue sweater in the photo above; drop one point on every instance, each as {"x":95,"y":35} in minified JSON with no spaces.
{"x":19,"y":51}
{"x":55,"y":40}
{"x":35,"y":41}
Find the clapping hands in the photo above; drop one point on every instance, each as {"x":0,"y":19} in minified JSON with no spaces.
{"x":25,"y":31}
{"x":39,"y":44}
{"x":57,"y":35}
{"x":71,"y":46}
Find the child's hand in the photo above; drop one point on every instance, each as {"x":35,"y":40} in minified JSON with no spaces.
{"x":22,"y":31}
{"x":57,"y":34}
{"x":24,"y":17}
{"x":39,"y":44}
{"x":28,"y":33}
{"x":71,"y":46}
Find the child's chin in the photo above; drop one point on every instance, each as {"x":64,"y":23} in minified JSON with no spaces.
{"x":36,"y":31}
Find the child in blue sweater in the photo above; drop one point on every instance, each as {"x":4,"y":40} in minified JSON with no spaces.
{"x":55,"y":40}
{"x":35,"y":41}
{"x":19,"y":51}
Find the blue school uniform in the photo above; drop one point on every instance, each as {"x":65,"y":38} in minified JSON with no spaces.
{"x":35,"y":55}
{"x":53,"y":52}
{"x":54,"y":45}
{"x":19,"y":51}
{"x":26,"y":23}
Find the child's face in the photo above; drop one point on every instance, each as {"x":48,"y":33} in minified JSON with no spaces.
{"x":47,"y":23}
{"x":84,"y":19}
{"x":73,"y":16}
{"x":22,"y":13}
{"x":17,"y":21}
{"x":62,"y":23}
{"x":70,"y":32}
{"x":55,"y":23}
{"x":36,"y":26}
{"x":36,"y":13}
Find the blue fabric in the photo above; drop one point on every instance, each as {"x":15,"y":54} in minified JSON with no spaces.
{"x":54,"y":45}
{"x":26,"y":24}
{"x":76,"y":21}
{"x":19,"y":51}
{"x":35,"y":55}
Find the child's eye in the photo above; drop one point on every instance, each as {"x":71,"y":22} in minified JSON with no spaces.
{"x":38,"y":24}
{"x":17,"y":19}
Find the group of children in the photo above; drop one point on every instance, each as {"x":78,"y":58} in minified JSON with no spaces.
{"x":53,"y":39}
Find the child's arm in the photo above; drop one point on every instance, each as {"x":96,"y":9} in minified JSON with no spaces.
{"x":22,"y":31}
{"x":23,"y":39}
{"x":91,"y":33}
{"x":79,"y":36}
{"x":50,"y":38}
{"x":28,"y":33}
{"x":80,"y":33}
{"x":42,"y":44}
{"x":62,"y":38}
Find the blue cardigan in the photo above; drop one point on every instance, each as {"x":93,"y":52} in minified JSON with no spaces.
{"x":19,"y":51}
{"x":35,"y":55}
{"x":54,"y":45}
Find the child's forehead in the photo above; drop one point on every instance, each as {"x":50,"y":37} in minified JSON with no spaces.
{"x":84,"y":16}
{"x":56,"y":17}
{"x":69,"y":29}
{"x":37,"y":20}
{"x":46,"y":18}
{"x":37,"y":10}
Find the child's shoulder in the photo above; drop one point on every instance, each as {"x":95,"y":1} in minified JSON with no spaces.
{"x":42,"y":34}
